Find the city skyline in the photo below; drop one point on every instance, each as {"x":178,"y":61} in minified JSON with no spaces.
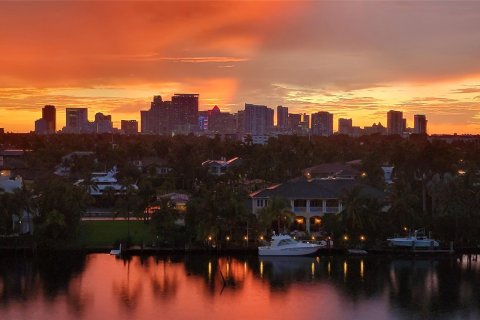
{"x":353,"y":59}
{"x":180,"y":115}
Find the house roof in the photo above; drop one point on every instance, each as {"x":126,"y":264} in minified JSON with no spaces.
{"x":333,"y":169}
{"x":12,"y":153}
{"x":222,"y":163}
{"x":315,"y":189}
{"x":77,"y":154}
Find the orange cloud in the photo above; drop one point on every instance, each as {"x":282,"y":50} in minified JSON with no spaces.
{"x":355,"y":59}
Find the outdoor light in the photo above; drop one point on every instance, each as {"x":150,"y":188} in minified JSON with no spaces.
{"x":245,"y":238}
{"x":345,"y":237}
{"x":362,"y":238}
{"x":228,"y":238}
{"x":209,"y":238}
{"x":317,"y":220}
{"x":261,"y":237}
{"x":405,"y":228}
{"x":313,"y":237}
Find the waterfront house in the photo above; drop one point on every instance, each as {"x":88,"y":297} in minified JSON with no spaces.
{"x":310,"y":199}
{"x":101,"y":182}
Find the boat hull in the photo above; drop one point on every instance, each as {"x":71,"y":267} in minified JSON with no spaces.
{"x":417,"y":243}
{"x":298,"y":251}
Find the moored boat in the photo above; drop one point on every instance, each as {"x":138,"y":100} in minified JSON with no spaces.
{"x":415,"y":240}
{"x":284,"y":245}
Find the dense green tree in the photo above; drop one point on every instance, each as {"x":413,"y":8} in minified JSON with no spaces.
{"x":163,"y":221}
{"x":63,"y":204}
{"x":277,"y":210}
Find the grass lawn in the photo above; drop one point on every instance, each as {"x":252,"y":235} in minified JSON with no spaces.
{"x":106,"y":233}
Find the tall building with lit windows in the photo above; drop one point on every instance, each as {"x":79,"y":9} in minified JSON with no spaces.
{"x":76,"y":120}
{"x":167,"y":117}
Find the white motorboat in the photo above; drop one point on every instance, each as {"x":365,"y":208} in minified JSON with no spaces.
{"x":415,"y":240}
{"x":116,"y":252}
{"x":284,"y":245}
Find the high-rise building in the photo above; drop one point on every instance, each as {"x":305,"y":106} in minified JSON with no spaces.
{"x":305,"y":124}
{"x":420,"y":124}
{"x":221,"y":122}
{"x":49,"y":115}
{"x":2,"y":130}
{"x":103,"y":123}
{"x":46,"y":125}
{"x":203,"y":120}
{"x":294,"y":121}
{"x":395,"y":122}
{"x":322,"y":123}
{"x":282,"y":117}
{"x":345,"y":126}
{"x":258,"y":119}
{"x":76,"y":120}
{"x":166,"y":117}
{"x":184,"y":113}
{"x":240,"y":116}
{"x":40,"y":126}
{"x":129,"y":126}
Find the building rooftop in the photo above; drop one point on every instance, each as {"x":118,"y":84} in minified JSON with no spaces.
{"x":302,"y":188}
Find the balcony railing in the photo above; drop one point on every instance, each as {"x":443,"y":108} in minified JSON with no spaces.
{"x":332,"y":209}
{"x":300,"y":209}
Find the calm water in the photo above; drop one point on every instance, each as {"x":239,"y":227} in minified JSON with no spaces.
{"x":99,"y":286}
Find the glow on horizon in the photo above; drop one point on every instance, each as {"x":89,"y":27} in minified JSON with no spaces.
{"x":355,"y":59}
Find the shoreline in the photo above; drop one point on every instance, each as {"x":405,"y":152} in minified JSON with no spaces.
{"x":137,"y":250}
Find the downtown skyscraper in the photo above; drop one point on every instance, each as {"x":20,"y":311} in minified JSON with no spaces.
{"x":322,"y":123}
{"x":180,"y":115}
{"x":258,"y":119}
{"x":47,"y":124}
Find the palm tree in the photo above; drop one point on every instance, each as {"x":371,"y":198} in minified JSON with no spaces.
{"x":405,"y":205}
{"x":437,"y":188}
{"x":353,"y":213}
{"x":276,"y":209}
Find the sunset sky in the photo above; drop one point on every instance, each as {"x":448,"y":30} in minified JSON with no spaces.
{"x":356,"y":59}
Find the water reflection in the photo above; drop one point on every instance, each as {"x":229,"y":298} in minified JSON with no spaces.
{"x":198,"y":286}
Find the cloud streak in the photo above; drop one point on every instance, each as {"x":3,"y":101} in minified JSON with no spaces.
{"x":356,"y":59}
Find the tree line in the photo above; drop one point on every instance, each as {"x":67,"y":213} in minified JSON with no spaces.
{"x":436,"y":184}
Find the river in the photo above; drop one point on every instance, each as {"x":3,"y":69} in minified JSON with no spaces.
{"x":100,"y":286}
